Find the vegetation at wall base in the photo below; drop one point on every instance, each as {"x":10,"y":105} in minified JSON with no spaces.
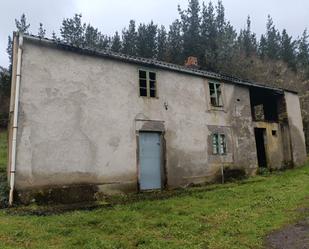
{"x":3,"y":163}
{"x":234,"y":215}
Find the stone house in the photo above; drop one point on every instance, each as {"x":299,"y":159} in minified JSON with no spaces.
{"x":98,"y":121}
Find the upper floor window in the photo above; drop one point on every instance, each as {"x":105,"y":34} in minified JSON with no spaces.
{"x":215,"y":93}
{"x":147,"y":84}
{"x":218,"y":144}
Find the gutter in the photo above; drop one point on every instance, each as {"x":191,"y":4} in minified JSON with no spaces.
{"x":15,"y":120}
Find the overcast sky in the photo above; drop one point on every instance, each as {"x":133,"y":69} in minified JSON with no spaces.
{"x":112,"y":15}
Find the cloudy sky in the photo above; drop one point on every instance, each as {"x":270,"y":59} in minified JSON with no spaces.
{"x":112,"y":15}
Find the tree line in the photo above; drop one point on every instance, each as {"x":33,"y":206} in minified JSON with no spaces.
{"x":201,"y":30}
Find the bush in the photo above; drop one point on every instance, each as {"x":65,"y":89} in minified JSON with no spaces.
{"x":263,"y":171}
{"x":4,"y":190}
{"x":4,"y":118}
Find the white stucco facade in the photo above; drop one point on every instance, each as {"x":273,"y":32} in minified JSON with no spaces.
{"x":80,"y":116}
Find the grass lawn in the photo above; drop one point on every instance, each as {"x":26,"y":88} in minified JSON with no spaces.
{"x":234,"y":215}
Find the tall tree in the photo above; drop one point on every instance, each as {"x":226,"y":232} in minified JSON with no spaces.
{"x":247,"y":40}
{"x":209,"y":35}
{"x":104,"y":42}
{"x":226,"y":37}
{"x":161,"y":44}
{"x":91,"y":37}
{"x":190,"y":23}
{"x":220,"y":17}
{"x":41,"y":31}
{"x":303,"y":50}
{"x":9,"y":49}
{"x":262,"y":49}
{"x":129,"y":37}
{"x":4,"y":82}
{"x":72,"y":30}
{"x":22,"y":25}
{"x":54,"y":36}
{"x":174,"y":43}
{"x":272,"y":38}
{"x":287,"y":49}
{"x":146,"y":40}
{"x":116,"y":43}
{"x":303,"y":55}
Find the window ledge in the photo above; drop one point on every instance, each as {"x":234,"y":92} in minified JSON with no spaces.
{"x":216,"y":108}
{"x":145,"y":97}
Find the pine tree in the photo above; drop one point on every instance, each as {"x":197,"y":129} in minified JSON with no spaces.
{"x":91,"y":37}
{"x":54,"y":36}
{"x":303,"y":50}
{"x":174,"y":43}
{"x":208,"y":37}
{"x":190,"y":23}
{"x":41,"y":31}
{"x":303,"y":54}
{"x":146,"y":40}
{"x":220,"y":17}
{"x":247,"y":40}
{"x":287,"y":49}
{"x":129,"y":37}
{"x":72,"y":30}
{"x":5,"y":82}
{"x":116,"y":43}
{"x":104,"y":42}
{"x":273,"y":38}
{"x":9,"y":49}
{"x":22,"y":25}
{"x":262,"y":47}
{"x":161,"y":44}
{"x":226,"y":40}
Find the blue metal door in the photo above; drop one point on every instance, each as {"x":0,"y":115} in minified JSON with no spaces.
{"x":149,"y":160}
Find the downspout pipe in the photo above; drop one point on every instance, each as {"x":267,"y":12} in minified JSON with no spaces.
{"x":15,"y":120}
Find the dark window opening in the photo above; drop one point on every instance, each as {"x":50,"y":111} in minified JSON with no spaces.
{"x":152,"y":76}
{"x":147,"y":84}
{"x":274,"y":132}
{"x":265,"y":104}
{"x":259,"y":112}
{"x":142,"y":91}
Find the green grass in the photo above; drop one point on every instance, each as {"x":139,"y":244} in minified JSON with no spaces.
{"x":3,"y":165}
{"x":3,"y":150}
{"x":234,"y":215}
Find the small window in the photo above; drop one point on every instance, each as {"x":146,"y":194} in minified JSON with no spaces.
{"x":147,"y":84}
{"x":274,"y":132}
{"x":218,"y":144}
{"x":215,"y":92}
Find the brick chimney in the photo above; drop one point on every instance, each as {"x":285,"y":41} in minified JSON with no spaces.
{"x":191,"y":62}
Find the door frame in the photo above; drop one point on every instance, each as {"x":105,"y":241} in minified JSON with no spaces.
{"x":265,"y":145}
{"x":162,"y":163}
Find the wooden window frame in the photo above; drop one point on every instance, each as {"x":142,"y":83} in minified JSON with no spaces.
{"x":148,"y":81}
{"x":218,"y":98}
{"x":219,"y":146}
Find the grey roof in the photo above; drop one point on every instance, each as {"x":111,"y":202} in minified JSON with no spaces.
{"x":152,"y":63}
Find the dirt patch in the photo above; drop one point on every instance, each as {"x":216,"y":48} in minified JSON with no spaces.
{"x":291,"y":237}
